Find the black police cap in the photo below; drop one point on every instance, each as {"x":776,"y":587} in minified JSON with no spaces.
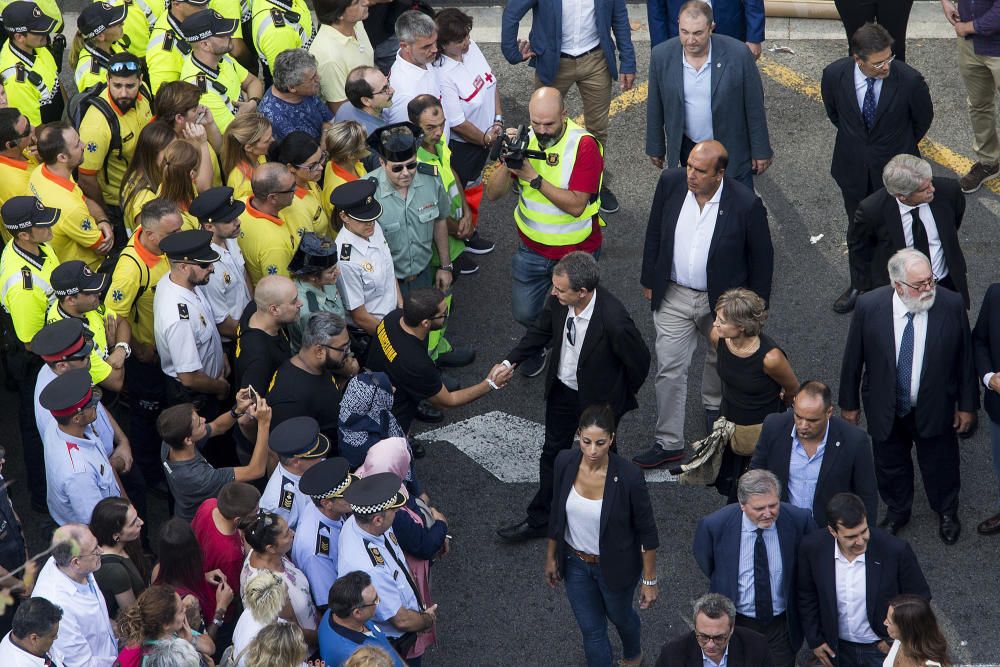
{"x":22,"y":17}
{"x":63,"y":339}
{"x":98,"y":17}
{"x":21,"y":213}
{"x":75,"y":277}
{"x":299,"y":437}
{"x":190,"y":245}
{"x":216,"y":205}
{"x":69,"y":393}
{"x":315,"y":254}
{"x":327,"y":479}
{"x":375,"y":493}
{"x":357,"y":199}
{"x":397,"y":142}
{"x":207,"y":23}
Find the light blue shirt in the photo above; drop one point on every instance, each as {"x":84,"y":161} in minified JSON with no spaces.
{"x":348,"y":111}
{"x":746,"y":604}
{"x":803,"y":471}
{"x":698,"y":100}
{"x":861,"y":87}
{"x":708,"y":662}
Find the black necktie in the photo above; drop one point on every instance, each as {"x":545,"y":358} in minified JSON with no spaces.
{"x":570,"y":331}
{"x":761,"y":580}
{"x":920,"y":240}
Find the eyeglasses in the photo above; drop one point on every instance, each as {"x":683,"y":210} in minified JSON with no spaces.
{"x":125,"y":66}
{"x":440,"y":317}
{"x":922,"y":285}
{"x":715,"y":639}
{"x":343,"y":349}
{"x":282,"y":192}
{"x":315,"y":166}
{"x":374,"y":603}
{"x":883,"y":63}
{"x":384,"y":90}
{"x":408,"y":166}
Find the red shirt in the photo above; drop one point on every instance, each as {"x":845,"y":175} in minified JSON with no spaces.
{"x":586,"y":177}
{"x":218,"y":551}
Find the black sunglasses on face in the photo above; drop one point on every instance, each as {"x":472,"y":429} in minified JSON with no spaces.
{"x":409,"y":166}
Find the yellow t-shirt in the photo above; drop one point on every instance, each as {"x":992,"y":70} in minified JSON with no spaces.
{"x":239,"y":180}
{"x":22,"y":94}
{"x":25,"y":287}
{"x":134,"y":207}
{"x":75,"y":235}
{"x":334,"y":177}
{"x":97,"y":138}
{"x":13,"y":183}
{"x":100,"y":369}
{"x":267,"y":243}
{"x":221,"y":88}
{"x":306,"y":213}
{"x":336,"y":55}
{"x":137,"y":271}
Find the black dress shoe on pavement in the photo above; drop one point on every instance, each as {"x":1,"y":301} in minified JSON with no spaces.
{"x":457,"y":357}
{"x":428,"y":413}
{"x":845,"y":302}
{"x":656,"y":456}
{"x":950,"y":528}
{"x":609,"y":203}
{"x":893,"y":526}
{"x":522,"y":532}
{"x":479,"y":245}
{"x":535,"y":365}
{"x":464,"y":265}
{"x":990,"y":526}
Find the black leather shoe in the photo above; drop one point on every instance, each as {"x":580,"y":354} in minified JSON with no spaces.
{"x":950,"y":528}
{"x":656,"y":456}
{"x":522,"y":532}
{"x":990,"y":526}
{"x":845,"y":302}
{"x":428,"y":413}
{"x":893,"y":526}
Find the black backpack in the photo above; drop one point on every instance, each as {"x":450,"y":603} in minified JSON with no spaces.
{"x":77,"y":108}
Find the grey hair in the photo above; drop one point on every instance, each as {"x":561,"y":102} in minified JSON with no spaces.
{"x":173,"y":652}
{"x":904,"y":174}
{"x":902,"y":260}
{"x":265,"y":595}
{"x":756,"y":483}
{"x":580,"y":268}
{"x":66,"y":540}
{"x":290,"y":67}
{"x":413,"y":25}
{"x":715,"y":605}
{"x":321,"y":327}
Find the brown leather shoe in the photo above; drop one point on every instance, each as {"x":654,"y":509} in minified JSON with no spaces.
{"x":989,"y":527}
{"x":978,"y":174}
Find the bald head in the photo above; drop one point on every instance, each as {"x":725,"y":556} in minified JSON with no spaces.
{"x":546,"y":100}
{"x":547,"y":113}
{"x":73,"y":545}
{"x":271,"y":177}
{"x":277,"y":298}
{"x":713,"y":152}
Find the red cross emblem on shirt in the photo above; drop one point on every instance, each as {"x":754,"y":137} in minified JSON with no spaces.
{"x":489,"y":77}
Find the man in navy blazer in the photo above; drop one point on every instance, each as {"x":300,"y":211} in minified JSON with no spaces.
{"x":986,"y":351}
{"x":854,"y":636}
{"x":731,"y":556}
{"x":815,"y":454}
{"x":739,"y":19}
{"x":578,"y":51}
{"x":696,"y":66}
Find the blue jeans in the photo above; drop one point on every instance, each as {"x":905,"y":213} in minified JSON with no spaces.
{"x":995,"y":443}
{"x":531,"y":283}
{"x":850,"y":654}
{"x":593,"y":604}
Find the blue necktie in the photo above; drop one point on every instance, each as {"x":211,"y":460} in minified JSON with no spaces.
{"x":904,"y":369}
{"x":868,"y":106}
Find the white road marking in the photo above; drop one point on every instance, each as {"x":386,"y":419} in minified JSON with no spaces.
{"x":508,"y":447}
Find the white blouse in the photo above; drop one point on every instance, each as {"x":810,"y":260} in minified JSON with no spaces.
{"x":583,"y":523}
{"x":890,"y":659}
{"x":298,"y":592}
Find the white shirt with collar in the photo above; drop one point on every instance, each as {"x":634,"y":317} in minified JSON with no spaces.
{"x":282,"y":496}
{"x":938,"y":265}
{"x":579,"y":27}
{"x":78,"y":473}
{"x":85,"y":638}
{"x":698,"y":99}
{"x":919,"y":341}
{"x":15,"y":656}
{"x":569,"y":355}
{"x":692,"y":241}
{"x":861,"y":87}
{"x":852,"y":598}
{"x":227,"y":290}
{"x":408,"y":81}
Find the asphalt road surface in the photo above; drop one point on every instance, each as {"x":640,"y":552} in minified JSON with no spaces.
{"x":495,"y":608}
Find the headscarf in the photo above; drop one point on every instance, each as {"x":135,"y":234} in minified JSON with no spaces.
{"x":366,"y":416}
{"x":389,"y":455}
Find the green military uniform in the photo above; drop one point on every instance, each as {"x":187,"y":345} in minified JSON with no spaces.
{"x":325,"y":299}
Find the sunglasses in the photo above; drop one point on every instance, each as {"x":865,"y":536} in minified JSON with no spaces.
{"x":125,"y":66}
{"x":408,"y":166}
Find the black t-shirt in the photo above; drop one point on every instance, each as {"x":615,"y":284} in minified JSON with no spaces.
{"x":299,"y":393}
{"x":258,"y":354}
{"x":403,"y":357}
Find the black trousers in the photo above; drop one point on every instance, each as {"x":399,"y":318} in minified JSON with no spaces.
{"x":938,"y":458}
{"x":893,"y":15}
{"x":776,"y":632}
{"x":146,"y":388}
{"x":851,"y":203}
{"x":23,"y":367}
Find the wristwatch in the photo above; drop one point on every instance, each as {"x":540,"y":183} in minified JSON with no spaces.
{"x":536,"y":182}
{"x":450,"y":268}
{"x":124,"y":346}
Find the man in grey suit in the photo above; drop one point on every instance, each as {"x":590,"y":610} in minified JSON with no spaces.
{"x":701,"y":87}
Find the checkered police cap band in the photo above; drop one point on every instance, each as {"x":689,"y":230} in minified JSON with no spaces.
{"x":337,"y":491}
{"x":391,"y":503}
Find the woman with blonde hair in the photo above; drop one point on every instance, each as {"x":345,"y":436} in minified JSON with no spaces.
{"x":345,"y":145}
{"x":244,"y":146}
{"x":157,"y":615}
{"x":369,"y":656}
{"x":277,"y":645}
{"x":264,"y":599}
{"x":145,"y":171}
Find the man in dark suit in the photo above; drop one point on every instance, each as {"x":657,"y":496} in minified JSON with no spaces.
{"x":893,"y":15}
{"x":986,"y":352}
{"x":747,"y":551}
{"x":815,"y":455}
{"x":707,"y":233}
{"x":598,"y":356}
{"x":716,"y":636}
{"x":910,"y":347}
{"x":733,"y":18}
{"x":913,"y":210}
{"x":880,"y":108}
{"x":706,"y":86}
{"x":851,"y":632}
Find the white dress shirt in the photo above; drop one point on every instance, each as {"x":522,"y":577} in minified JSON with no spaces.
{"x":569,"y":355}
{"x":227,"y":290}
{"x":861,"y":87}
{"x":579,"y":27}
{"x":408,"y":81}
{"x":692,"y":240}
{"x":698,"y":100}
{"x":852,"y":599}
{"x":14,"y":656}
{"x":919,"y":341}
{"x":938,"y":265}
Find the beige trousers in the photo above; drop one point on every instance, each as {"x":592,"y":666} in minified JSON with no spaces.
{"x":981,"y":75}
{"x":593,"y":79}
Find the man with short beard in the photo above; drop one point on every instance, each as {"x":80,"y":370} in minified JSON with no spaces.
{"x":920,"y":387}
{"x":107,"y":156}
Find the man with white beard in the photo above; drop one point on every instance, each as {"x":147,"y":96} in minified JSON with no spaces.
{"x":911,"y":347}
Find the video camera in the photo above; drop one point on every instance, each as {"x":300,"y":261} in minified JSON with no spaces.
{"x":513,"y":151}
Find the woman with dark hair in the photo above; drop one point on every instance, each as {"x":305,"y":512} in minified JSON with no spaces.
{"x":158,"y":615}
{"x":306,"y":159}
{"x":270,"y":538}
{"x":124,"y":572}
{"x":145,"y":171}
{"x":602,"y":539}
{"x":180,"y":566}
{"x":917,"y":639}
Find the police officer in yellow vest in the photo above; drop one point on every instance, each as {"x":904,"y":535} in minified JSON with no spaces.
{"x":100,"y":35}
{"x":140,"y":17}
{"x":168,"y":44}
{"x":558,"y":208}
{"x":28,"y":71}
{"x":279,"y":25}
